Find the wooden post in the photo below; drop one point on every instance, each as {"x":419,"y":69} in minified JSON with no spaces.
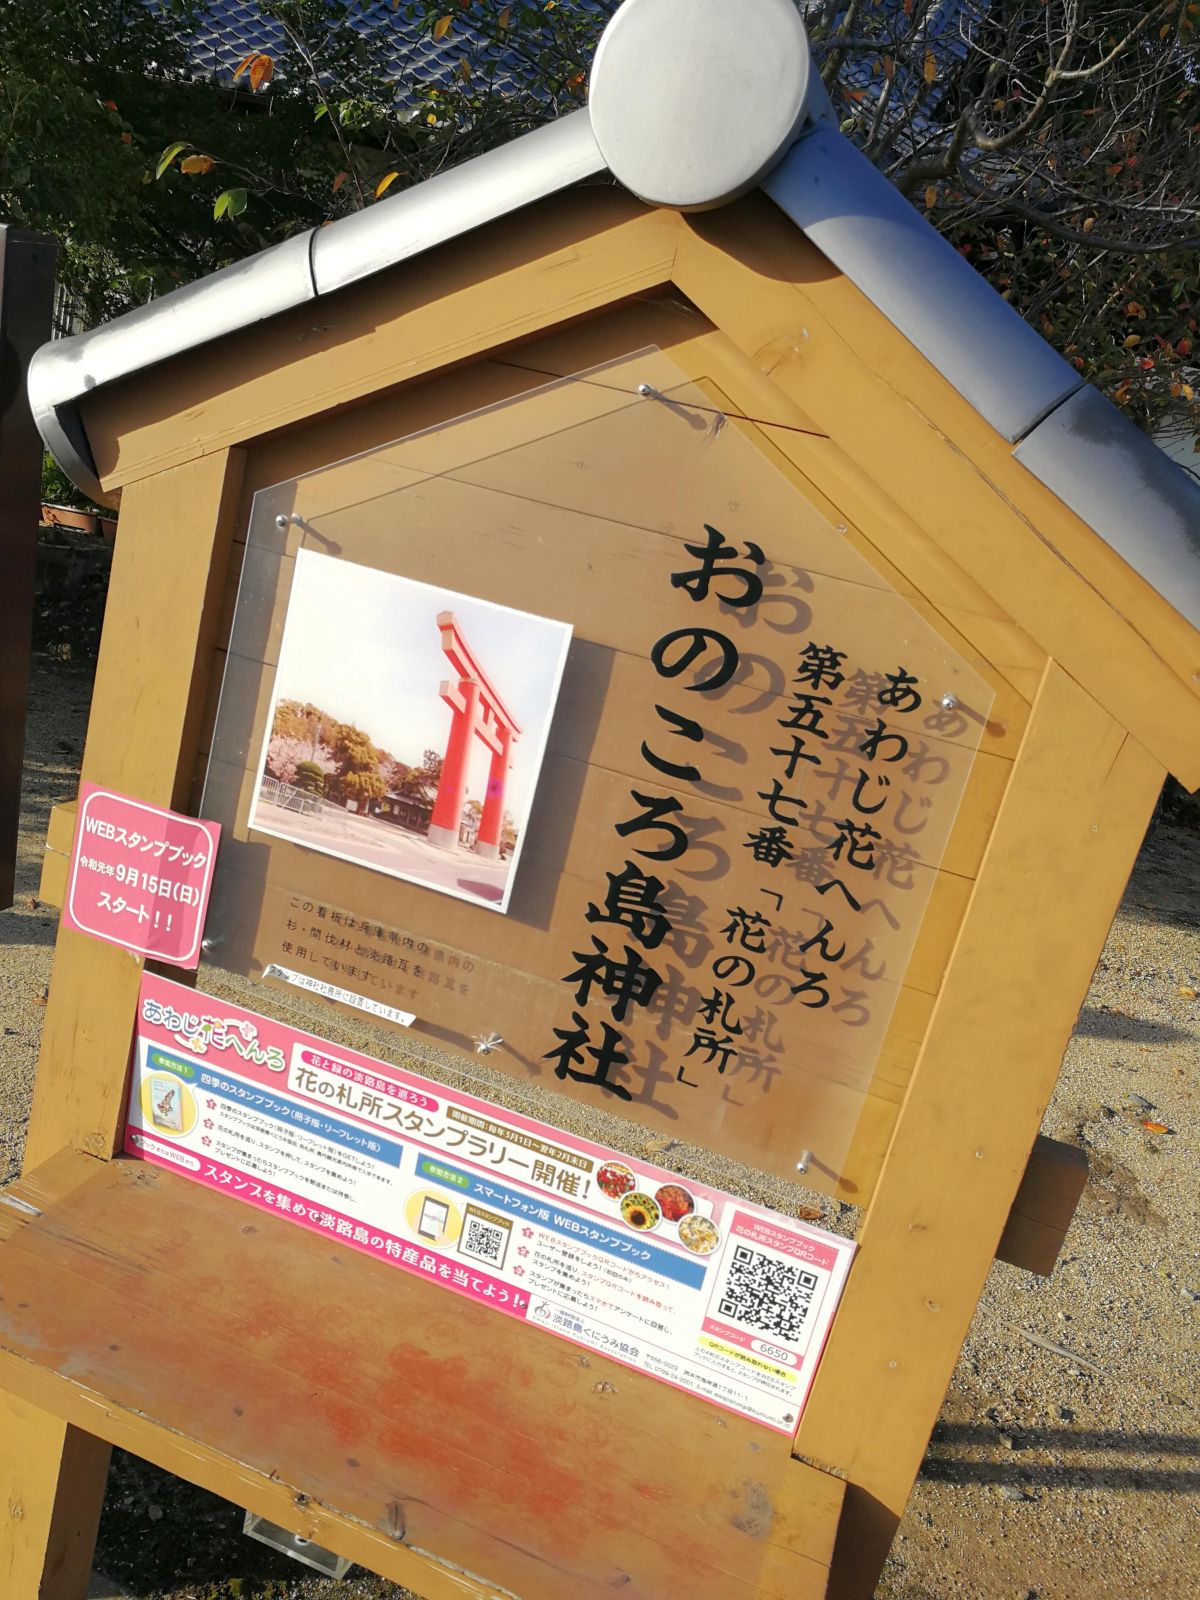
{"x":52,"y":1479}
{"x":1081,"y":795}
{"x":150,"y":682}
{"x":146,"y":709}
{"x":26,"y":306}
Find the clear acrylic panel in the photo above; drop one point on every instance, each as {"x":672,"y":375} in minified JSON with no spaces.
{"x":570,"y":734}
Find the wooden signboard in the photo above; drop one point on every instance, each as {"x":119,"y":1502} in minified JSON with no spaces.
{"x":734,"y":786}
{"x":647,"y":707}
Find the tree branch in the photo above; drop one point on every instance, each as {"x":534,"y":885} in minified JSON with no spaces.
{"x":1019,"y":208}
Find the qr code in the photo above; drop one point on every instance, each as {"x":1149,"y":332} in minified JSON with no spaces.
{"x":766,"y":1294}
{"x":484,"y":1240}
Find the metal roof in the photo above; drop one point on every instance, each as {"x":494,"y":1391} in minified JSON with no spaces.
{"x":218,"y":35}
{"x":1067,"y":435}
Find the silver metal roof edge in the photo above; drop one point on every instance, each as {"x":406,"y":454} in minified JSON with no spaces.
{"x":869,"y":231}
{"x":1110,"y":473}
{"x":237,"y":296}
{"x":537,"y":164}
{"x":298,"y":270}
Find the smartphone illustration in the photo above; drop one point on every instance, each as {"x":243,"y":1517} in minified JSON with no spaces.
{"x":435,"y":1214}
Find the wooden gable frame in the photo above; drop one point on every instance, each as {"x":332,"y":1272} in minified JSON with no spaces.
{"x":1096,"y":685}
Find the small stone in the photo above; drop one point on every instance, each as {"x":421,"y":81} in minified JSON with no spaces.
{"x":155,"y":1513}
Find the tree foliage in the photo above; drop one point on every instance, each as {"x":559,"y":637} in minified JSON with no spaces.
{"x":1056,"y":143}
{"x":358,"y":776}
{"x":290,"y":755}
{"x":310,"y":777}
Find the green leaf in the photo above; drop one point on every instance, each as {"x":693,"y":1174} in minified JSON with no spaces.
{"x":168,"y":156}
{"x":232,"y":201}
{"x":321,"y":111}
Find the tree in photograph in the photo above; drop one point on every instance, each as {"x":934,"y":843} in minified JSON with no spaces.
{"x":286,"y":753}
{"x":310,"y":777}
{"x":429,"y":774}
{"x":357,"y":779}
{"x":392,"y":772}
{"x":508,"y":833}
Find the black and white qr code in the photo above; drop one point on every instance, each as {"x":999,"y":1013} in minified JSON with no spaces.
{"x":767,"y":1295}
{"x":485,"y":1241}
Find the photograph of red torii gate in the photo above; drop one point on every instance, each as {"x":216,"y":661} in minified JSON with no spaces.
{"x":376,"y":754}
{"x":478,"y":712}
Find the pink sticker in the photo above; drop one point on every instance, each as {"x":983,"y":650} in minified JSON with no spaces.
{"x":140,"y":876}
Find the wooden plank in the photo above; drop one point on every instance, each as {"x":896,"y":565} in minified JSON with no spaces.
{"x":52,"y":885}
{"x":390,"y":1420}
{"x":52,"y":1474}
{"x":657,"y":320}
{"x":156,"y":649}
{"x":60,"y":831}
{"x":1051,"y":1186}
{"x":547,"y":265}
{"x":155,"y":657}
{"x":26,"y":300}
{"x":52,"y":1478}
{"x":897,"y":430}
{"x":1064,"y":843}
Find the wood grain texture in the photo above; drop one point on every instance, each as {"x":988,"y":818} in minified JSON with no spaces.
{"x":548,"y":265}
{"x":894,"y":430}
{"x":382,"y":1416}
{"x":1066,"y":838}
{"x":168,"y":570}
{"x":51,"y":1490}
{"x":155,"y":658}
{"x":448,"y":1448}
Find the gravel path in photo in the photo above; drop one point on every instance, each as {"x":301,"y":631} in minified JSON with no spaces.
{"x":1066,"y":1462}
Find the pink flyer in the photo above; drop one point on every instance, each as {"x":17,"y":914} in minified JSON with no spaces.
{"x":140,"y":876}
{"x":711,"y":1294}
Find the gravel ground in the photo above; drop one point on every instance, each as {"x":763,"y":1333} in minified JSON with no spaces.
{"x":1066,"y":1461}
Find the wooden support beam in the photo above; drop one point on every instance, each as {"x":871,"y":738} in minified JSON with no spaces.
{"x":1053,"y":1181}
{"x":52,"y":1479}
{"x":56,"y":853}
{"x":151,"y":679}
{"x":150,"y":684}
{"x":1065,"y":839}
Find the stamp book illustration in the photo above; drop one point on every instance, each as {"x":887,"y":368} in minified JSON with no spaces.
{"x":168,"y":1107}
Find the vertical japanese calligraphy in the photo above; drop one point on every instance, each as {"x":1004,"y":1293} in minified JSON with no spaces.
{"x":632,"y":899}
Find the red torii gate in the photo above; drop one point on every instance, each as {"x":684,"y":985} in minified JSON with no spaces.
{"x":479,"y":713}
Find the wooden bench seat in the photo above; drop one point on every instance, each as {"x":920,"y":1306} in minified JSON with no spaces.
{"x":438,"y":1442}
